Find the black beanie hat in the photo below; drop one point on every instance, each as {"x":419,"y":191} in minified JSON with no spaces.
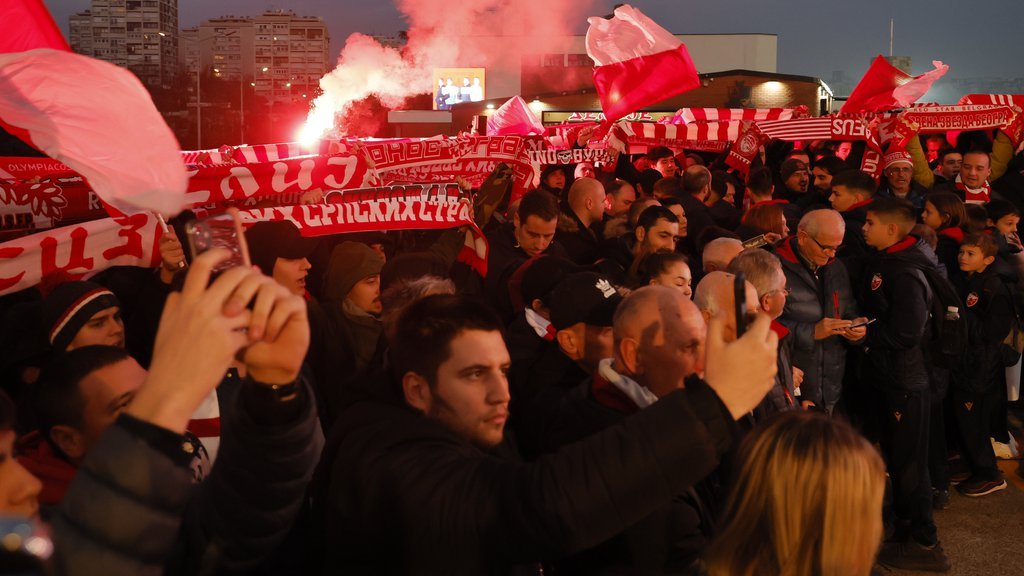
{"x":350,"y":262}
{"x":69,"y":306}
{"x":273,"y":239}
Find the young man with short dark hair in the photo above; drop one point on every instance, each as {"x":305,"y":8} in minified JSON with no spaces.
{"x":531,"y":232}
{"x":897,"y":295}
{"x":422,"y":483}
{"x":852,"y":194}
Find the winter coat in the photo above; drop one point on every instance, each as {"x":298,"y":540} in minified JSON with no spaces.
{"x":581,"y":243}
{"x":782,"y":396}
{"x":504,"y":257}
{"x":811,"y":299}
{"x":853,"y":251}
{"x":672,"y":538}
{"x":410,"y":496}
{"x":989,"y":314}
{"x":897,"y":294}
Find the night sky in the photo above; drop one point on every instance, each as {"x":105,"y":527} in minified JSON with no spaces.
{"x":816,"y":37}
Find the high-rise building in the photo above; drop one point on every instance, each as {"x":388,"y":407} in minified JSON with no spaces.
{"x":141,"y":35}
{"x":283,"y":54}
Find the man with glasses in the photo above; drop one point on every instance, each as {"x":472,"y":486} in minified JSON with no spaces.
{"x":899,"y":179}
{"x":820,"y":311}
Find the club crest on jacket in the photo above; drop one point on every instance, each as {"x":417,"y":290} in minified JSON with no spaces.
{"x":876,"y":282}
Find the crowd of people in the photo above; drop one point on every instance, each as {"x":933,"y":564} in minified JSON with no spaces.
{"x":668,"y":368}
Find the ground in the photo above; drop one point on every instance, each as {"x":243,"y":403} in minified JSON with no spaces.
{"x":985,"y":536}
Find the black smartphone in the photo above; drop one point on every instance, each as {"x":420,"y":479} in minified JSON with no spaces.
{"x":740,"y":294}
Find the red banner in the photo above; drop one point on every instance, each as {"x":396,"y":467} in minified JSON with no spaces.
{"x":86,"y":249}
{"x":79,"y":251}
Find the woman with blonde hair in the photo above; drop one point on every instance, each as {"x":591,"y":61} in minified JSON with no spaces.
{"x":807,"y":502}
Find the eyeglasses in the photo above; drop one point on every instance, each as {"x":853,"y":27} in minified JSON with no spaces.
{"x":823,"y":247}
{"x":783,"y":291}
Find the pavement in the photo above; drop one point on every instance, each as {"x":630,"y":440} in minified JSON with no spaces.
{"x":985,"y":536}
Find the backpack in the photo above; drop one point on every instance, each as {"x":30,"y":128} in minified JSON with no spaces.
{"x":947,"y":336}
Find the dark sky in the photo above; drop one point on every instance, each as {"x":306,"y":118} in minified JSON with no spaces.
{"x":816,"y":37}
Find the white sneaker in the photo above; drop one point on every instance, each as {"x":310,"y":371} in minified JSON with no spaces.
{"x":1005,"y":451}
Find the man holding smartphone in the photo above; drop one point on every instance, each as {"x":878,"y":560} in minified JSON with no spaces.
{"x":820,"y":311}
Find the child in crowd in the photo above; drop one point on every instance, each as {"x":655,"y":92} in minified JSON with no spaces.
{"x":975,"y":387}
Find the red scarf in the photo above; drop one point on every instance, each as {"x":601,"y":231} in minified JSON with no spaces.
{"x":976,"y":195}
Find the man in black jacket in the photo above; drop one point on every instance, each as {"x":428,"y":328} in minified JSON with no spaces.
{"x":852,"y":194}
{"x":655,"y":328}
{"x":532,"y":232}
{"x":897,"y":294}
{"x":418,"y":485}
{"x":580,"y":219}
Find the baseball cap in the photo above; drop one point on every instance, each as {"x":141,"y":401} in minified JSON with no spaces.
{"x":585,"y":297}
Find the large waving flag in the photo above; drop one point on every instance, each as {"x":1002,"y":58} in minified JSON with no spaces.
{"x":638,"y":62}
{"x":28,"y":25}
{"x":885,"y":87}
{"x":91,"y":115}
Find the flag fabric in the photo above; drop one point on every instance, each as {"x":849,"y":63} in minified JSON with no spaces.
{"x":29,"y":26}
{"x":885,"y":87}
{"x":98,"y":119}
{"x":514,"y":118}
{"x":638,"y":63}
{"x":691,"y":115}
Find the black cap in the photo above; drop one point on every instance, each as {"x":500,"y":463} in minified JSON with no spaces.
{"x":585,"y":297}
{"x":275,"y":239}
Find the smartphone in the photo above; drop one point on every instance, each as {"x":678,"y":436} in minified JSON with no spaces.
{"x":221,"y":231}
{"x":863,"y":323}
{"x":740,"y":293}
{"x":755,"y":242}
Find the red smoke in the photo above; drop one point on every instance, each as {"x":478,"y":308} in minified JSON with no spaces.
{"x":492,"y":34}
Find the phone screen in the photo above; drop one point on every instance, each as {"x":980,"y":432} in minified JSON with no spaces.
{"x":220,"y":231}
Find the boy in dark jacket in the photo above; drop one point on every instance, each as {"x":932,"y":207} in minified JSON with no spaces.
{"x":989,"y":313}
{"x":898,"y":295}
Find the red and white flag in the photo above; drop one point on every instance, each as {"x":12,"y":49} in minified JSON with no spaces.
{"x":91,"y":115}
{"x":514,"y":118}
{"x":885,"y":87}
{"x":28,"y":26}
{"x":638,"y":62}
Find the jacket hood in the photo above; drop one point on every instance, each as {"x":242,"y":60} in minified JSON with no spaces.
{"x":909,"y":252}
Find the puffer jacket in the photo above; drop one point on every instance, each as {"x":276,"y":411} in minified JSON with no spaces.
{"x":133,"y":509}
{"x":810,"y":300}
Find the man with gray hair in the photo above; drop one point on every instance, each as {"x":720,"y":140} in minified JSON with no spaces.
{"x":719,"y":253}
{"x":820,"y":311}
{"x":764,"y":272}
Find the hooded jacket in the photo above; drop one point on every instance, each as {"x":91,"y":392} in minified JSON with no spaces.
{"x":897,"y":294}
{"x":811,"y":299}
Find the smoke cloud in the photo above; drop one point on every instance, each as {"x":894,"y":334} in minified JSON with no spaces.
{"x":443,"y":34}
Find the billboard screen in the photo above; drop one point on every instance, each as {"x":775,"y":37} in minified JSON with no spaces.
{"x":455,"y":85}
